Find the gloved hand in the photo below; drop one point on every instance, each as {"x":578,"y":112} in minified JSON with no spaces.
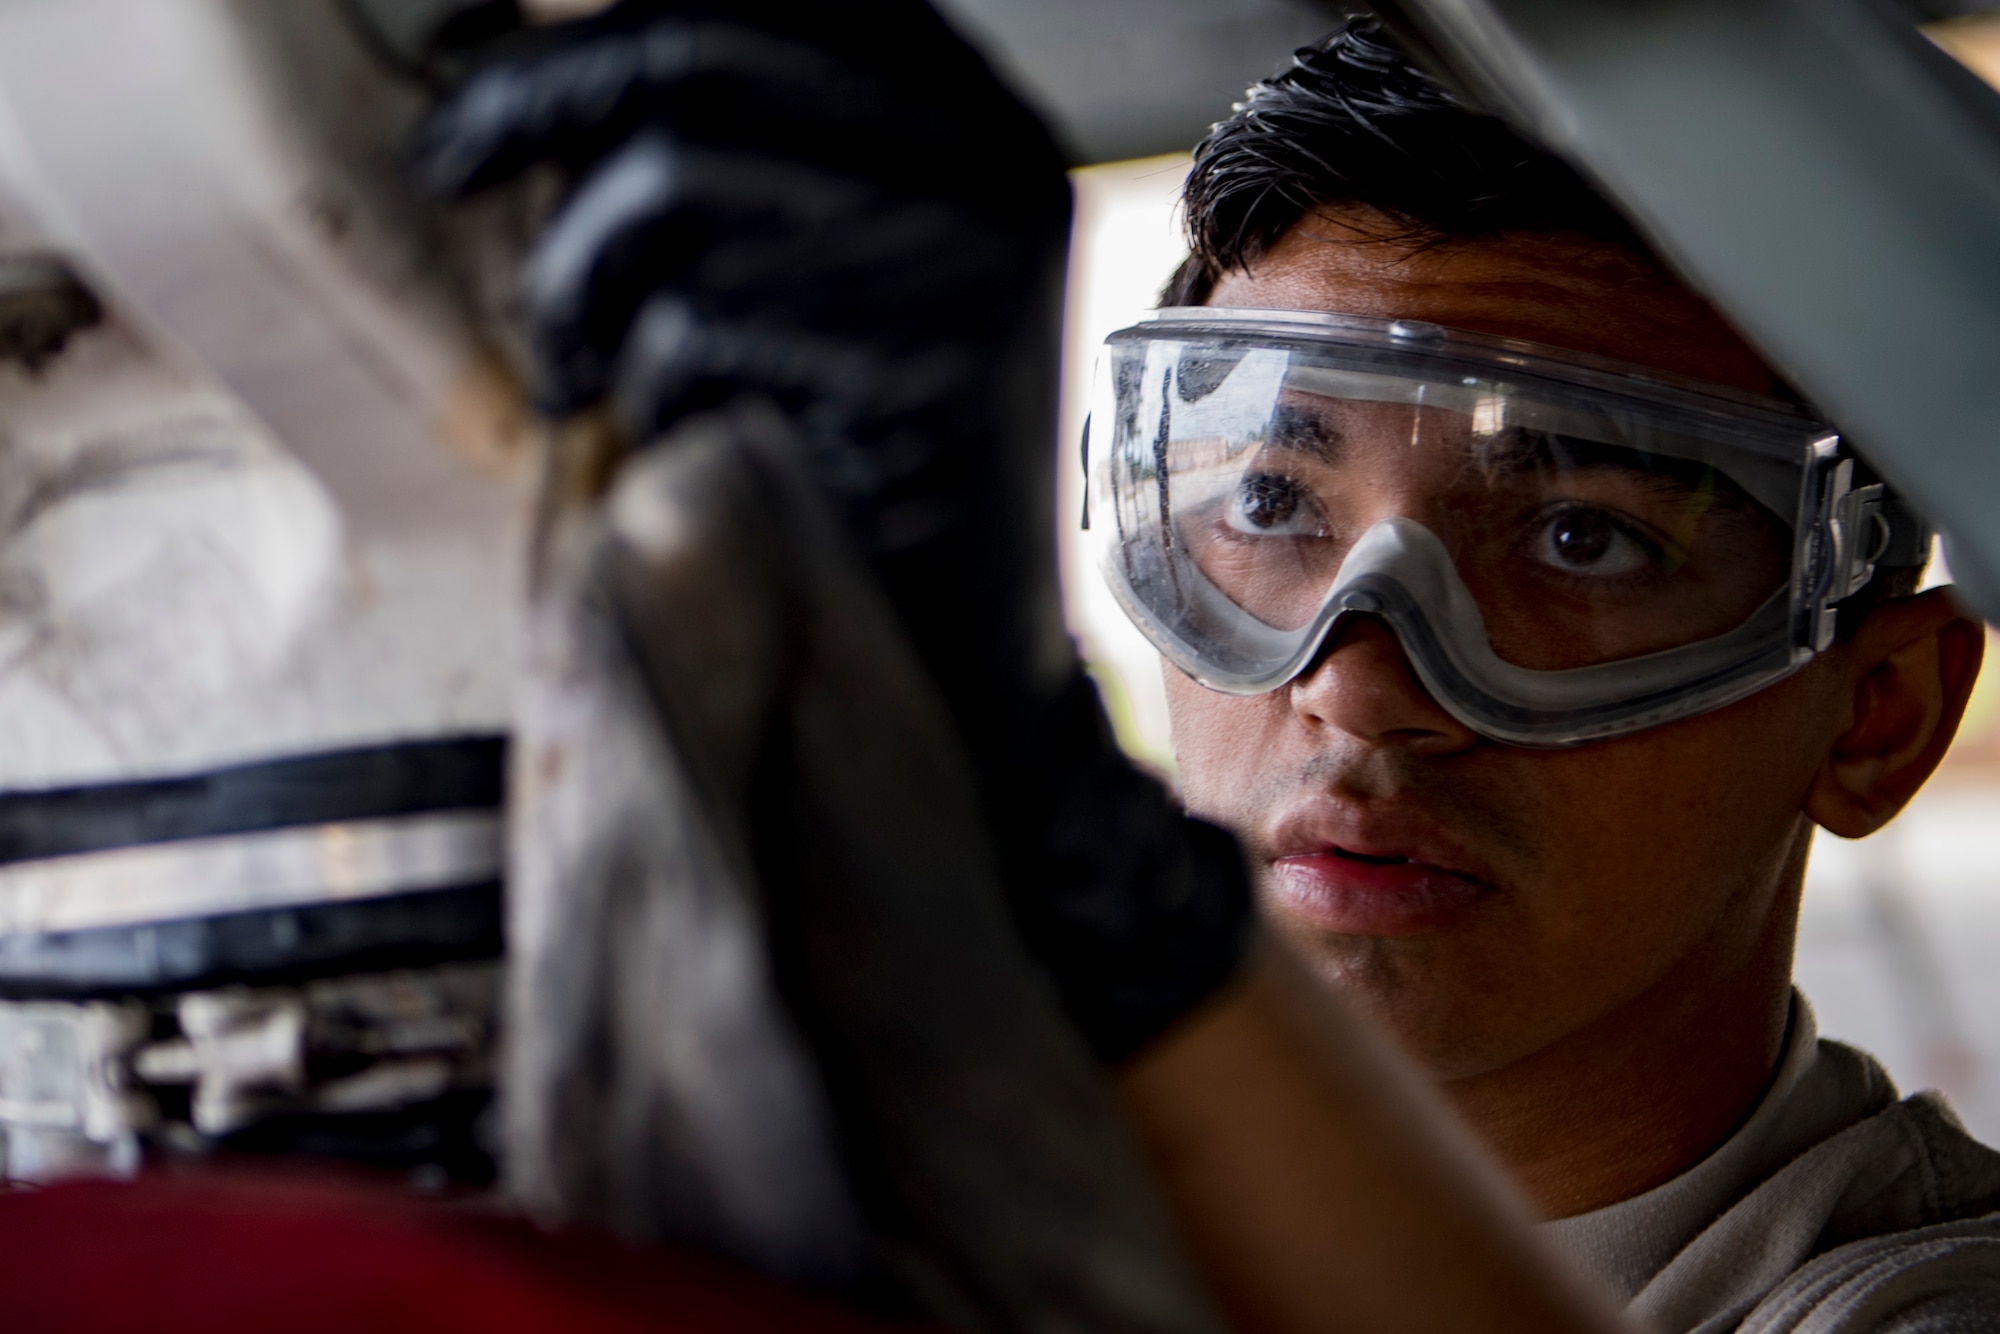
{"x":842,"y":210}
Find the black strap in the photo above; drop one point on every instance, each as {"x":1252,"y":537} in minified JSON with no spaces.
{"x":264,"y":946}
{"x":402,"y":778}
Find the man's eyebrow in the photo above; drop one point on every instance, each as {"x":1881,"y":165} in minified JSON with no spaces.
{"x":1520,"y":450}
{"x":1303,"y":431}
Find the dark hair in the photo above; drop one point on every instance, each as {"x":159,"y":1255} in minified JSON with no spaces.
{"x":1354,"y":121}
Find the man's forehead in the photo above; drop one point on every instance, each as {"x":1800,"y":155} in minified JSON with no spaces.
{"x":1567,"y":290}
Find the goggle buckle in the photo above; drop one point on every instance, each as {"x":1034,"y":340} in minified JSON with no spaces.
{"x":1860,"y":532}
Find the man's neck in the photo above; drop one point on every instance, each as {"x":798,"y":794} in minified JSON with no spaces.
{"x":1644,"y":1093}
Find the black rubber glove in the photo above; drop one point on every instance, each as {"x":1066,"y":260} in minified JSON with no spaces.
{"x":841,"y":209}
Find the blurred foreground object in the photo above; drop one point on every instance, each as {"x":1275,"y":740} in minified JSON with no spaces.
{"x":797,"y":666}
{"x":727,"y":730}
{"x":1823,"y":172}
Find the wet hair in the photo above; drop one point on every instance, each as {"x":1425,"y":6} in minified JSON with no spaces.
{"x":1353,"y":123}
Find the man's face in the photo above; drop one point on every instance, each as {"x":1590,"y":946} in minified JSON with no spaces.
{"x":1486,"y":900}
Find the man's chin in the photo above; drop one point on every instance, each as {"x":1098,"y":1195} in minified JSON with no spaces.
{"x":1450,"y":1026}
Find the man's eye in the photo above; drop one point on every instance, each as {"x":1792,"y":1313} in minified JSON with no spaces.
{"x":1267,"y":505}
{"x":1590,"y":542}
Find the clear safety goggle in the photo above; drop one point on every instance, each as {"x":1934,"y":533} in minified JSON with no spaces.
{"x":1568,"y":549}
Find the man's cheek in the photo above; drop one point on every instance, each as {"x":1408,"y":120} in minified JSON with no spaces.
{"x":1647,"y":834}
{"x":1215,"y":764}
{"x":1237,"y":767}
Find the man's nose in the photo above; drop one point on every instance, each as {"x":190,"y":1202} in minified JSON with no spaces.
{"x":1362,"y":684}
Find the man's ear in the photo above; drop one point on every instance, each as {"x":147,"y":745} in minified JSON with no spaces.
{"x":1912,"y":663}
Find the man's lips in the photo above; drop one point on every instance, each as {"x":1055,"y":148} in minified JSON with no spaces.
{"x":1360,"y":896}
{"x":1364,"y":882}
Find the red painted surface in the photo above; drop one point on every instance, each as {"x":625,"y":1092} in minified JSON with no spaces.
{"x":236,"y":1252}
